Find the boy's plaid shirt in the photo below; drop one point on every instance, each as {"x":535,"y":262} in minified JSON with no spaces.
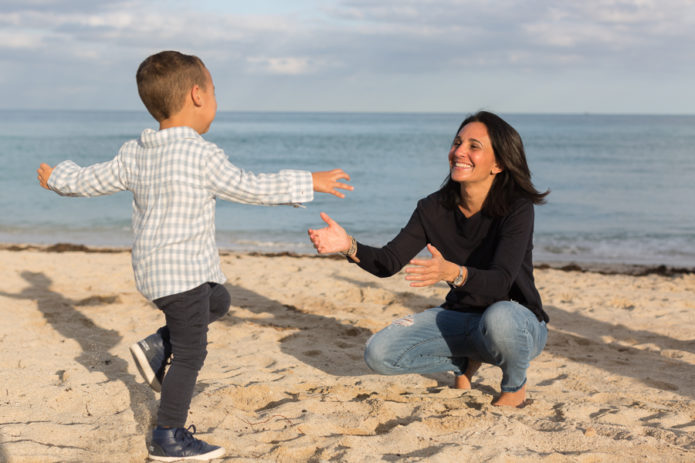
{"x":175,"y":176}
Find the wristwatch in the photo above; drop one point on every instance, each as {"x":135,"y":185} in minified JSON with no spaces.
{"x":352,"y":250}
{"x":458,"y":281}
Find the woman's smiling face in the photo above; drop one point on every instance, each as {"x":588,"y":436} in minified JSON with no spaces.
{"x":471,"y":158}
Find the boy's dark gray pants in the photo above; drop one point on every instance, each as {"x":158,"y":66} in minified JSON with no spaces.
{"x":187,"y":317}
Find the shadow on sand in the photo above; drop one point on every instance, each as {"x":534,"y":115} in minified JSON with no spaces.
{"x":586,"y":344}
{"x":335,"y":347}
{"x":95,"y":342}
{"x":338,"y":347}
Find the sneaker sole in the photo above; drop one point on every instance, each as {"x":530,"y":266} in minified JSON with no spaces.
{"x":217,"y":453}
{"x":144,"y":368}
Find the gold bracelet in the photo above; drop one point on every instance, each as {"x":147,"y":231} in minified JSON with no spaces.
{"x":352,"y":250}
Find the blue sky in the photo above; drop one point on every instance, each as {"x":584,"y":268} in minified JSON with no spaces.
{"x":538,"y":56}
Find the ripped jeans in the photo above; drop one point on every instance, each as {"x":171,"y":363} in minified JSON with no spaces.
{"x":507,"y":334}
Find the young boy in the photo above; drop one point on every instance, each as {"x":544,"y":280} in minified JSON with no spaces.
{"x":175,"y":177}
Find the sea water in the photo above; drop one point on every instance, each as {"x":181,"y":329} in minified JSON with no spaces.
{"x":622,"y":187}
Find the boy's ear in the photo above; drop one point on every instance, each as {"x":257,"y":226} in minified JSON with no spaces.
{"x":195,"y":95}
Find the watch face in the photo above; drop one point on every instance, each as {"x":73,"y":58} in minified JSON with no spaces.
{"x":459,"y":278}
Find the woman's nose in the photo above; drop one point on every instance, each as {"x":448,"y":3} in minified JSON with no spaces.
{"x":460,"y":150}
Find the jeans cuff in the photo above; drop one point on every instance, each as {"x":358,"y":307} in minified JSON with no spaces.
{"x":513,"y":389}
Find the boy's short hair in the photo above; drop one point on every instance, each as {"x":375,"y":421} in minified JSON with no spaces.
{"x":165,"y":78}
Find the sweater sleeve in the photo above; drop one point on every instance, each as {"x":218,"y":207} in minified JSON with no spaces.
{"x":388,"y":260}
{"x":513,"y":243}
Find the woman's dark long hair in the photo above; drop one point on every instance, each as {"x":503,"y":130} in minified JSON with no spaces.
{"x":515,"y":179}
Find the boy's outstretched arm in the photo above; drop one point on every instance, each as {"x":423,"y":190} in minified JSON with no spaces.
{"x":327,"y":181}
{"x":44,"y":172}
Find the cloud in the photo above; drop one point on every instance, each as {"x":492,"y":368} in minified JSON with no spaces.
{"x":343,"y":42}
{"x":60,"y":6}
{"x":384,"y":36}
{"x":25,"y":40}
{"x":532,"y":33}
{"x":287,"y":65}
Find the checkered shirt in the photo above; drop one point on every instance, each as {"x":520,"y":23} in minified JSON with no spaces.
{"x":175,"y":177}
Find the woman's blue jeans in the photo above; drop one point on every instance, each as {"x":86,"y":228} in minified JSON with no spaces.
{"x":507,"y":334}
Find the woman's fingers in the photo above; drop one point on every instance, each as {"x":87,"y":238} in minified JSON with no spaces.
{"x":425,"y":272}
{"x":421,"y":263}
{"x":325,"y":217}
{"x":328,"y":239}
{"x":434,"y":251}
{"x":421,"y":274}
{"x":420,"y":281}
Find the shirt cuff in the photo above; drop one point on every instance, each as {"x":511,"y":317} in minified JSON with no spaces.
{"x":57,"y":182}
{"x":301,"y":186}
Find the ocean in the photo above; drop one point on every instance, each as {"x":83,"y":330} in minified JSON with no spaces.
{"x":622,"y":187}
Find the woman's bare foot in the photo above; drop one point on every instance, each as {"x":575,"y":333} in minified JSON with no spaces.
{"x":511,"y":399}
{"x":464,"y":381}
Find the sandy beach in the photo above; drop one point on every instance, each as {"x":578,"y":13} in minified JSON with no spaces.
{"x":284,"y":379}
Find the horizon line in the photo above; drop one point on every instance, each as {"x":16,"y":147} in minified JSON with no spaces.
{"x":297,"y":111}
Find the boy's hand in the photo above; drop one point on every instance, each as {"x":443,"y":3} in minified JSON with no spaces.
{"x":327,"y":182}
{"x":44,"y":172}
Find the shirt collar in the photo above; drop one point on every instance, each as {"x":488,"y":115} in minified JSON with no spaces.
{"x":151,"y":138}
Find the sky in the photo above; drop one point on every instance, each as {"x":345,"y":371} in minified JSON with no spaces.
{"x":534,"y":56}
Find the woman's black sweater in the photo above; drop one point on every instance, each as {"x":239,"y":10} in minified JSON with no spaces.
{"x":497,"y":252}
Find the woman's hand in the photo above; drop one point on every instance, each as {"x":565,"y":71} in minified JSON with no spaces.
{"x":332,"y":238}
{"x":426,"y":272}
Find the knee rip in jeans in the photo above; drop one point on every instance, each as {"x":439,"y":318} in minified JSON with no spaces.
{"x":408,"y":320}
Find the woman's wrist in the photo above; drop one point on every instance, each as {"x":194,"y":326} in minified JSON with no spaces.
{"x":459,"y":275}
{"x":452,"y":271}
{"x":352,"y":249}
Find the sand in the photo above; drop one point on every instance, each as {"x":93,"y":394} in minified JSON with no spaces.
{"x":285,"y":381}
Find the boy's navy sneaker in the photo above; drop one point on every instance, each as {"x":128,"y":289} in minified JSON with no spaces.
{"x":173,"y":444}
{"x":151,"y":356}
